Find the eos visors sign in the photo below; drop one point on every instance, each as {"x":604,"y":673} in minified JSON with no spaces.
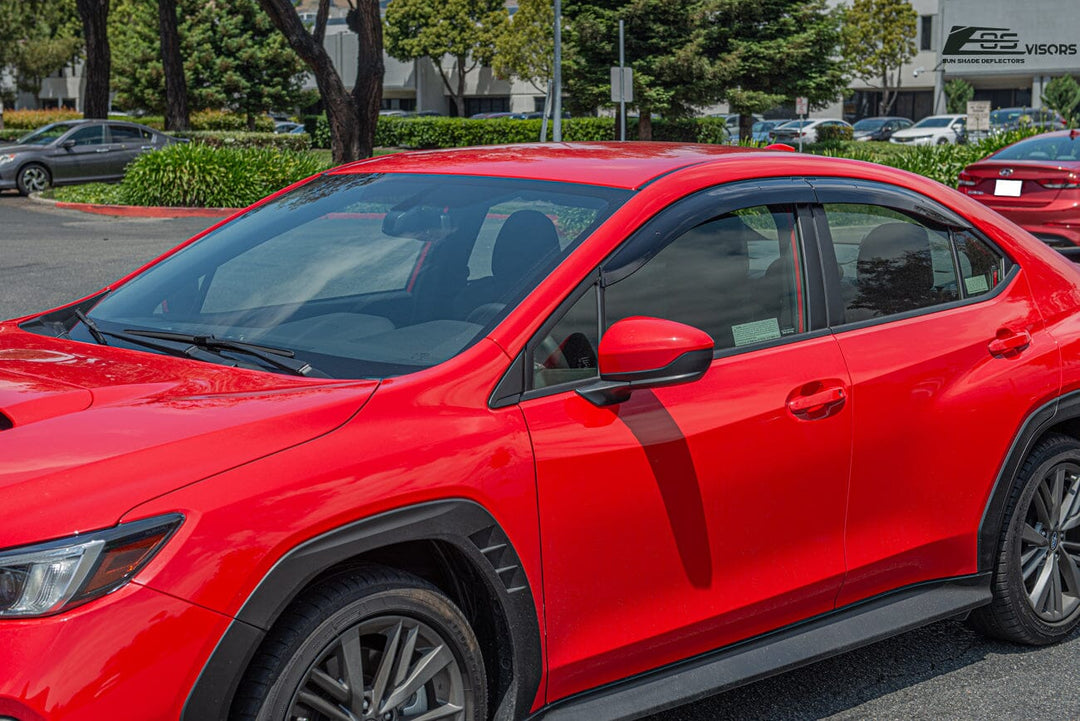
{"x":985,"y":36}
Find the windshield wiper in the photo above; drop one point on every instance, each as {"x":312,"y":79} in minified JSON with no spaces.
{"x":91,"y":326}
{"x":280,"y":358}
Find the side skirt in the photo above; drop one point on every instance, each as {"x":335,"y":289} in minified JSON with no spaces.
{"x":833,"y":633}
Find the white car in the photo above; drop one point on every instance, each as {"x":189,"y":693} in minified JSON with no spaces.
{"x":805,"y":130}
{"x":934,"y":130}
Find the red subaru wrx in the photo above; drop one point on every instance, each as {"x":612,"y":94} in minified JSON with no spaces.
{"x":563,"y":431}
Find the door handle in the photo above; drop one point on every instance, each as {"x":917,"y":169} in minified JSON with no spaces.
{"x":1009,"y":341}
{"x":146,"y":147}
{"x":816,"y":404}
{"x":102,"y":150}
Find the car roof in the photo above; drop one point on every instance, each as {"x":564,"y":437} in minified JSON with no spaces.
{"x":612,"y":164}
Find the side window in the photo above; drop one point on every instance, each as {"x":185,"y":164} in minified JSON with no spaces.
{"x":568,"y":352}
{"x":93,"y":135}
{"x":735,"y":277}
{"x":127,"y":134}
{"x":891,"y":263}
{"x":981,"y":268}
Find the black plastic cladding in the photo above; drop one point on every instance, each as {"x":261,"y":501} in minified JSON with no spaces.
{"x":460,"y":523}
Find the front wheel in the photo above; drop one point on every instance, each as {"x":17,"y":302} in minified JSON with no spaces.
{"x":943,"y":141}
{"x":376,"y":644}
{"x":32,"y":178}
{"x":1037,"y":575}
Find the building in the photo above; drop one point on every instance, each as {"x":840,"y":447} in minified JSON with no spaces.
{"x":1007,"y":52}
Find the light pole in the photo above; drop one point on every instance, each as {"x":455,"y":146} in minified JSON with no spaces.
{"x":556,"y":131}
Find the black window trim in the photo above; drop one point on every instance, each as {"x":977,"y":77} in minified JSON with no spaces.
{"x":859,"y":192}
{"x":667,"y":225}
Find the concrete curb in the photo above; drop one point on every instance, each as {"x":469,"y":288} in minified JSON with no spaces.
{"x":138,"y":211}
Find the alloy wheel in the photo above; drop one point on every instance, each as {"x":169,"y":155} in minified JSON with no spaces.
{"x":1050,"y":545}
{"x":390,"y":668}
{"x":35,"y":179}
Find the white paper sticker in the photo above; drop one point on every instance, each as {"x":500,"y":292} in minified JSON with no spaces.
{"x":976,"y":284}
{"x":756,"y":332}
{"x":1009,"y":188}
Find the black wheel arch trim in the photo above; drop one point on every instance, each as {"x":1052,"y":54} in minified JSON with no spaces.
{"x":461,"y":523}
{"x":1063,"y":408}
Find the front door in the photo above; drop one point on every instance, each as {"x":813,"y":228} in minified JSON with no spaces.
{"x":691,"y":516}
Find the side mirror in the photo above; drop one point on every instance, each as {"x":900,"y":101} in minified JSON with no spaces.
{"x":642,"y":352}
{"x":68,"y":144}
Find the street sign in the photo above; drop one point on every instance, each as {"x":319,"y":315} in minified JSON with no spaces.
{"x":978,"y":115}
{"x":626,"y":86}
{"x":802,"y":106}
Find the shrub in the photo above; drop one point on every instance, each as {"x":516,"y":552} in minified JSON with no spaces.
{"x":103,"y":193}
{"x":30,"y":119}
{"x":9,"y":134}
{"x":237,"y":139}
{"x":835,"y":132}
{"x":198,"y":175}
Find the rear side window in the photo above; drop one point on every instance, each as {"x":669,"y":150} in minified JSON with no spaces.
{"x":892,"y":263}
{"x":128,"y":134}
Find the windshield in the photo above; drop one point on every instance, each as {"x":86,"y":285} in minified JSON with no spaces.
{"x":45,"y":135}
{"x":1060,"y":147}
{"x":936,"y":121}
{"x":869,"y":124}
{"x":365,"y":276}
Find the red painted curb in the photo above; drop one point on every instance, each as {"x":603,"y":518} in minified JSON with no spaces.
{"x":138,"y":211}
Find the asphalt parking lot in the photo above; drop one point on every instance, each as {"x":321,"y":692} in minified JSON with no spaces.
{"x":944,"y":671}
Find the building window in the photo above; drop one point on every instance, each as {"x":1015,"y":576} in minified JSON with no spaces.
{"x":926,"y":32}
{"x":486,"y":104}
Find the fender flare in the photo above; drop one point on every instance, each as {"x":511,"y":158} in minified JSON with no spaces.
{"x":464,"y":524}
{"x":1062,"y":408}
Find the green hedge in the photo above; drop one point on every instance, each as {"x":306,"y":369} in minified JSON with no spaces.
{"x":829,"y":133}
{"x":8,"y":134}
{"x":198,"y":175}
{"x":236,"y":139}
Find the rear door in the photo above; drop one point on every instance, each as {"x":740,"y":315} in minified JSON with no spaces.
{"x":692,"y":516}
{"x":947,"y":353}
{"x":128,"y":142}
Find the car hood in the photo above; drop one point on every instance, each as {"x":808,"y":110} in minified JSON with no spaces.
{"x":916,"y":132}
{"x":13,"y":148}
{"x":88,"y":432}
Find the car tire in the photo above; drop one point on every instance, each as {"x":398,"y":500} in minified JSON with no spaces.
{"x":341,"y":645}
{"x":32,"y":178}
{"x":1036,"y":575}
{"x":942,"y":141}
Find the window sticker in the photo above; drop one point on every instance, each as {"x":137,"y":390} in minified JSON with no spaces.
{"x":976,"y":284}
{"x":756,"y":332}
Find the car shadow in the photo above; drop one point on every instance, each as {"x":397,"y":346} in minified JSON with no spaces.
{"x":883,"y":681}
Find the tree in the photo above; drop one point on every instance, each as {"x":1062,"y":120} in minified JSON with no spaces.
{"x":466,"y":30}
{"x":1063,"y":95}
{"x":230,"y":57}
{"x":37,"y":38}
{"x":526,"y":47}
{"x":665,"y":48}
{"x":172,"y":65}
{"x":240,"y":63}
{"x":773,"y":51}
{"x":352,"y":117}
{"x":95,"y":19}
{"x":957,"y":93}
{"x":878,"y":38}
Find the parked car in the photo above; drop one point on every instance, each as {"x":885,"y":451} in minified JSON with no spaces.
{"x":1005,"y":119}
{"x":933,"y":130}
{"x":288,"y":126}
{"x":805,"y":130}
{"x":879,"y":128}
{"x":75,"y":151}
{"x":759,"y":133}
{"x":582,"y":431}
{"x":1035,"y":183}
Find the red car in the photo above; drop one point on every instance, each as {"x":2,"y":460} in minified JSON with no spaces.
{"x":565,"y":431}
{"x":1035,"y":183}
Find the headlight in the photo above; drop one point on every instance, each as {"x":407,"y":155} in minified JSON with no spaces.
{"x":7,"y":158}
{"x":50,"y":577}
